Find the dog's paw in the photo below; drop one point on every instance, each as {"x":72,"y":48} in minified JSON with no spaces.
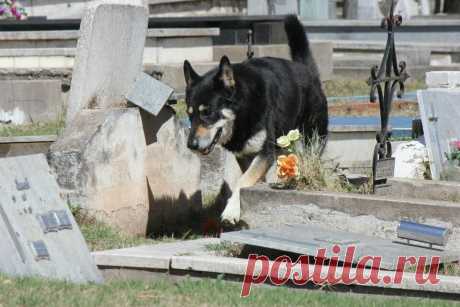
{"x":232,"y":212}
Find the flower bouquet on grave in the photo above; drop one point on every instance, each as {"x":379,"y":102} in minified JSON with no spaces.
{"x":451,"y":170}
{"x":288,"y":163}
{"x":12,"y":9}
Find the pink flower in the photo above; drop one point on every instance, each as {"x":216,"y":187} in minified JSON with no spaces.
{"x":456,"y":145}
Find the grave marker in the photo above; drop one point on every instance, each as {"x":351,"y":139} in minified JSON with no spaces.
{"x":440,"y":111}
{"x":109,"y":55}
{"x":39,"y":234}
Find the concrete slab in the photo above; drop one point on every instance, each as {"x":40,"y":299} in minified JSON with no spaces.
{"x":421,"y":189}
{"x":439,"y":109}
{"x":109,"y":56}
{"x":34,"y":100}
{"x":308,"y":239}
{"x":40,"y":235}
{"x":153,"y":256}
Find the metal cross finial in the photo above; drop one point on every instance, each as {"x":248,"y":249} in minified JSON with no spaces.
{"x":385,"y":81}
{"x":250,"y":53}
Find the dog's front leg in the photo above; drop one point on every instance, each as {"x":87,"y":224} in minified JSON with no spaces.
{"x":256,"y":171}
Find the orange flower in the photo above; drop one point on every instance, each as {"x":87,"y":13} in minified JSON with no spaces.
{"x":288,"y":167}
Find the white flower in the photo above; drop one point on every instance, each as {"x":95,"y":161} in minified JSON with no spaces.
{"x":283,"y":142}
{"x":294,"y":135}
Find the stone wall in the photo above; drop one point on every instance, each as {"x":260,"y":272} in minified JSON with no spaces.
{"x":63,"y":9}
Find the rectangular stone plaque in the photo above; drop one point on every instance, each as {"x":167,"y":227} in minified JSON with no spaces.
{"x":39,"y":234}
{"x":149,"y":94}
{"x":385,"y":169}
{"x":307,"y":239}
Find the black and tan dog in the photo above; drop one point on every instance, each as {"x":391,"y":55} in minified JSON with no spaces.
{"x":245,"y":107}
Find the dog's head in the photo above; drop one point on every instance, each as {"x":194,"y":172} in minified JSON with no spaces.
{"x":211,"y":106}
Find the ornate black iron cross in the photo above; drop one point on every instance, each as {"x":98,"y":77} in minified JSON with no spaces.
{"x":385,"y":81}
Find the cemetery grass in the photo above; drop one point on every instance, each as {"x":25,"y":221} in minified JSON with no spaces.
{"x":50,"y":128}
{"x":185,"y":292}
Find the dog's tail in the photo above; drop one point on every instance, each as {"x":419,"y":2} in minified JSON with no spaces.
{"x":297,"y":39}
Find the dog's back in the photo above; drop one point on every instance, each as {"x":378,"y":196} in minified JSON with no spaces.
{"x":288,"y":92}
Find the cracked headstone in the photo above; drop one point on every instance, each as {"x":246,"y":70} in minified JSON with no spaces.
{"x":109,"y":55}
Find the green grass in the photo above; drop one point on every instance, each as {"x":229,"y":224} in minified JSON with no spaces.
{"x":100,"y":236}
{"x":51,"y":128}
{"x":35,"y":292}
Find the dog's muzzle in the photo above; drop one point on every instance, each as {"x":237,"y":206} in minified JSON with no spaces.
{"x":194,"y":144}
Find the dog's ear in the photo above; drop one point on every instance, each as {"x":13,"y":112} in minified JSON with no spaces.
{"x":189,"y":73}
{"x":225,"y":74}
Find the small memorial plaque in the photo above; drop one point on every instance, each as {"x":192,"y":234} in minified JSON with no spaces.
{"x":149,"y":94}
{"x":385,"y":169}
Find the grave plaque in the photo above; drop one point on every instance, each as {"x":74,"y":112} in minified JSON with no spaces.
{"x":39,"y":234}
{"x":149,"y":93}
{"x":385,"y":169}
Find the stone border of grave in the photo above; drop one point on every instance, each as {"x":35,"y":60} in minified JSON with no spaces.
{"x":259,"y":203}
{"x":185,"y":259}
{"x":421,"y":189}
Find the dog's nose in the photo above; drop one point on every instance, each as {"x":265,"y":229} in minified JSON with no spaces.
{"x":193,"y":144}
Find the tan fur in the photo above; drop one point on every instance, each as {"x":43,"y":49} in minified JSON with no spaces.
{"x":201,"y":132}
{"x":258,"y":169}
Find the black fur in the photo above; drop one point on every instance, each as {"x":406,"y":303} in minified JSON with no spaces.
{"x":267,"y":93}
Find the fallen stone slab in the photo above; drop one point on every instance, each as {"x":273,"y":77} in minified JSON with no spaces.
{"x":39,"y":234}
{"x":263,"y":206}
{"x":99,"y":162}
{"x":308,"y":239}
{"x":153,"y":256}
{"x":109,"y":55}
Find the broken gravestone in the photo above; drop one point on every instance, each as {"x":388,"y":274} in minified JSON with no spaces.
{"x":100,"y":158}
{"x":39,"y":234}
{"x":109,"y":55}
{"x":99,"y":162}
{"x":440,"y":111}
